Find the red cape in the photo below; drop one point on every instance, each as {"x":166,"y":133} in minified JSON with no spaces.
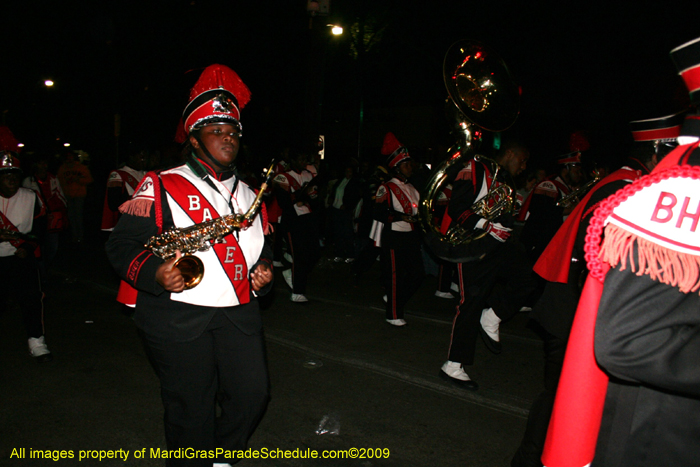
{"x":554,"y":262}
{"x":578,"y":406}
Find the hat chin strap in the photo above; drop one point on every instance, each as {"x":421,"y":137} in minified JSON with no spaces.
{"x":206,"y":152}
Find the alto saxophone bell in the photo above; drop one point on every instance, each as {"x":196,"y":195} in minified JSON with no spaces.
{"x":192,"y":270}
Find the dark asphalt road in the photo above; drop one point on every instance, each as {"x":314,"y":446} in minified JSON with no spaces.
{"x":341,"y":378}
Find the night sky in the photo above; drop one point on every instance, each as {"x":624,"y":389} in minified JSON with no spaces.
{"x":580,"y":66}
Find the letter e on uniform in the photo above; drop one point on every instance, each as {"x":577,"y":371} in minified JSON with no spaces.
{"x":667,"y":208}
{"x":230,"y":250}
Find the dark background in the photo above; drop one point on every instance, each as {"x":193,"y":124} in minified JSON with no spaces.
{"x":581,"y":66}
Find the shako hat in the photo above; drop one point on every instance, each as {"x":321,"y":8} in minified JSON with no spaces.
{"x":394,"y":151}
{"x":218,"y":96}
{"x":9,"y":162}
{"x":569,"y":158}
{"x":654,"y":129}
{"x":686,"y":57}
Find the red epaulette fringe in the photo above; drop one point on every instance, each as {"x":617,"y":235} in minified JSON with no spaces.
{"x":137,"y":207}
{"x":661,"y":264}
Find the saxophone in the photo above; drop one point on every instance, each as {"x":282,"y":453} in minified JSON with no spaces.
{"x":575,"y":195}
{"x":200,"y":237}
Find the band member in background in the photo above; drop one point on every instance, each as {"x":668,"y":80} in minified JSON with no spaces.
{"x":297,"y":194}
{"x":562,"y":265}
{"x":483,"y":306}
{"x":75,"y":177}
{"x":21,"y":228}
{"x":121,"y":185}
{"x":48,"y":189}
{"x":205,"y":342}
{"x":629,"y":392}
{"x":540,"y":212}
{"x":396,"y":231}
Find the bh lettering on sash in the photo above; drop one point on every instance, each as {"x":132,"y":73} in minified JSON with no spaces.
{"x":195,"y":205}
{"x":664,"y":213}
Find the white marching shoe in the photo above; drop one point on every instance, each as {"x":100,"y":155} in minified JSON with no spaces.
{"x":490,"y":324}
{"x":299,"y":298}
{"x":287,"y":274}
{"x":453,"y":372}
{"x":396,"y":322}
{"x":443,"y":294}
{"x":39,"y":350}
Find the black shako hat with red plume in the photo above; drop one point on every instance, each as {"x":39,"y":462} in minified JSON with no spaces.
{"x":394,"y":151}
{"x":217,"y":97}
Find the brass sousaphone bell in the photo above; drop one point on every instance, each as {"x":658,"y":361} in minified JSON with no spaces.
{"x":482,"y":96}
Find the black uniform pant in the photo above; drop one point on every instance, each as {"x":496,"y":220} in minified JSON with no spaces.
{"x":532,"y":445}
{"x":19,"y":279}
{"x":343,"y":233}
{"x":222,"y":364}
{"x":302,"y":238}
{"x":445,"y":275}
{"x":501,"y":280}
{"x":402,"y":274}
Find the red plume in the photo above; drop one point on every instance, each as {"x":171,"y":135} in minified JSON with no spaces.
{"x":390,"y":145}
{"x":7,"y":140}
{"x":221,"y":76}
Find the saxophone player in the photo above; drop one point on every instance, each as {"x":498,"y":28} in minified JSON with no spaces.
{"x":541,"y":213}
{"x":205,"y":340}
{"x":483,"y":306}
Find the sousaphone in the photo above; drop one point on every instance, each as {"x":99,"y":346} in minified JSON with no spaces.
{"x":483,"y":96}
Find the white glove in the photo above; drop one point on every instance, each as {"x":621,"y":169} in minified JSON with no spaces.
{"x":497,"y":231}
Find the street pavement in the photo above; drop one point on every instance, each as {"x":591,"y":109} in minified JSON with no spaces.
{"x":341,"y":378}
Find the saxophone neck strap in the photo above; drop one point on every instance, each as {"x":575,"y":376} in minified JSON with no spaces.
{"x":200,"y":171}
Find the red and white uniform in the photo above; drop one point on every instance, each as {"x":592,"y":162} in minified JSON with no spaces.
{"x":128,"y":179}
{"x":293,"y":182}
{"x":228,"y":264}
{"x":17,"y":214}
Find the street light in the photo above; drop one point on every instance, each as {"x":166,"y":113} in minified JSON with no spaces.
{"x":48,"y":83}
{"x":335,"y":29}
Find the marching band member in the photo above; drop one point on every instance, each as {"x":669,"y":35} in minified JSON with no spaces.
{"x":297,"y":195}
{"x":483,"y":306}
{"x":395,"y":230}
{"x":540,"y":211}
{"x":21,"y":215}
{"x":562,"y":266}
{"x":121,"y":185}
{"x":205,"y":342}
{"x":629,"y":392}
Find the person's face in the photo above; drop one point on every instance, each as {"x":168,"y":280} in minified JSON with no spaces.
{"x":41,"y":168}
{"x":9,"y":184}
{"x":575,"y":174}
{"x":139,"y":161}
{"x":406,"y":168}
{"x":348,"y":172}
{"x":300,"y":162}
{"x":515,"y":161}
{"x":221,"y":141}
